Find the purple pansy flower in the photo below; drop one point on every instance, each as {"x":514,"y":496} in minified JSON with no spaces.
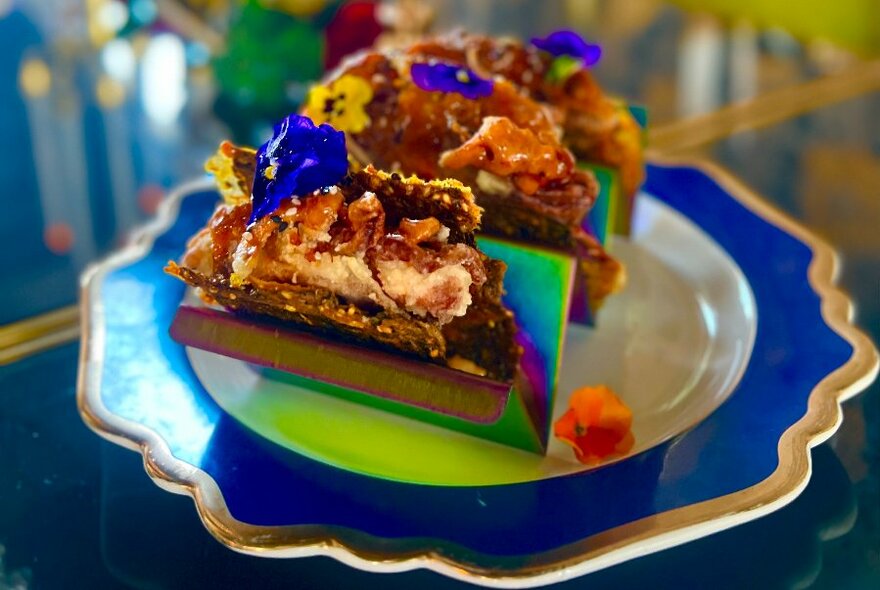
{"x":447,"y":78}
{"x":569,"y":43}
{"x":299,"y":159}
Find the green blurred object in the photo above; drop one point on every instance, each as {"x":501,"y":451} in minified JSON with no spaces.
{"x":270,"y":59}
{"x":853,"y":24}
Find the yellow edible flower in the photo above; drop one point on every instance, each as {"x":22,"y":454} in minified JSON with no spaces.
{"x":341,"y":104}
{"x":228,"y":165}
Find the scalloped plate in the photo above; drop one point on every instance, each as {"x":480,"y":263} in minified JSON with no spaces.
{"x":748,"y":457}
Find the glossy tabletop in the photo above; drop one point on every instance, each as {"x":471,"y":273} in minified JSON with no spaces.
{"x":76,"y":511}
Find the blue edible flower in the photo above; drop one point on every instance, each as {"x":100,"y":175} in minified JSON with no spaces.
{"x":569,"y":43}
{"x":299,"y":159}
{"x":447,"y":78}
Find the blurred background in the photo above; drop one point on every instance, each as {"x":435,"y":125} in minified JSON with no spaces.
{"x":109,"y":103}
{"x":105,"y":105}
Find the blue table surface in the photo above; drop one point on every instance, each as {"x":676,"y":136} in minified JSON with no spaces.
{"x":78,"y":512}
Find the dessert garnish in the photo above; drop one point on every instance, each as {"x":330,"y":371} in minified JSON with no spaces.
{"x":441,"y":77}
{"x":233,"y":170}
{"x":300,"y":158}
{"x":571,"y":53}
{"x":596,"y":425}
{"x":562,"y":68}
{"x":341,"y":103}
{"x":569,"y":44}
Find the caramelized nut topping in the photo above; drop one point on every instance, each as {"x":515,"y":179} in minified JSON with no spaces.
{"x":364,"y":209}
{"x":417,"y":231}
{"x":319,"y":211}
{"x":504,"y":149}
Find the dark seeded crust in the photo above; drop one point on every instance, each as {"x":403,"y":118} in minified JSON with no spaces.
{"x":508,"y":217}
{"x":486,"y":335}
{"x":323,"y":312}
{"x":447,"y":200}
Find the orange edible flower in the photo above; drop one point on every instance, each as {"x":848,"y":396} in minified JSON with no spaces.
{"x":596,"y":425}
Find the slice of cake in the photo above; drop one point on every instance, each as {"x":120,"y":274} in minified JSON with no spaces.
{"x":554,"y":70}
{"x":423,"y":113}
{"x":372,"y":257}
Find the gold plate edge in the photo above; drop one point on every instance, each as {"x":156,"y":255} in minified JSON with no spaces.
{"x":604,"y":549}
{"x":764,"y":110}
{"x":34,"y":334}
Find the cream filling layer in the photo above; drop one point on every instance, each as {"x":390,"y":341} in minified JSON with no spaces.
{"x":443,"y":293}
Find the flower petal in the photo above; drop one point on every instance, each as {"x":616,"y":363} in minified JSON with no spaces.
{"x":570,"y":43}
{"x":341,"y":104}
{"x":357,"y":90}
{"x":596,"y":425}
{"x":302,"y":158}
{"x":440,"y":77}
{"x":316,"y":102}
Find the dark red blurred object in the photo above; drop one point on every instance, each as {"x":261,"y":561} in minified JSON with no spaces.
{"x":355,"y":26}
